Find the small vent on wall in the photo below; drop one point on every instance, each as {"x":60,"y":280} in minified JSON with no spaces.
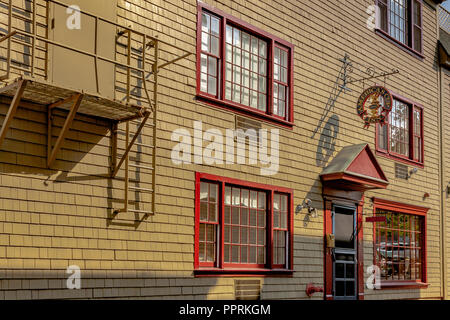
{"x":401,"y":171}
{"x":247,"y":289}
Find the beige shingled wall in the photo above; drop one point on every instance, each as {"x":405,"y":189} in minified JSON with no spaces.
{"x":50,"y":219}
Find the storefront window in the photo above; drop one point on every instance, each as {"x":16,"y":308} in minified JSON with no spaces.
{"x":400,"y":243}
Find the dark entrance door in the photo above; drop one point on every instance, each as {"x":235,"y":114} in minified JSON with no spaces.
{"x":344,"y":253}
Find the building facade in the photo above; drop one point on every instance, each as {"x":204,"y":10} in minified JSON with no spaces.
{"x":214,"y":150}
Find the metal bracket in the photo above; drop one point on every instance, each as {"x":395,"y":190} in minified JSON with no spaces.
{"x":51,"y":153}
{"x":12,"y":109}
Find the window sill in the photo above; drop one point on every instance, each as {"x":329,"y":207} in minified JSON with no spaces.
{"x":403,"y":284}
{"x":397,"y":43}
{"x":244,"y":111}
{"x":207,"y":272}
{"x":399,"y":159}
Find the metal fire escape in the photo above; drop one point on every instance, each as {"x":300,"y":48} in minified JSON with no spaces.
{"x":28,"y":83}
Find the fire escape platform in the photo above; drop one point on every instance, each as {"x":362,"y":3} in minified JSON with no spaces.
{"x":46,"y":93}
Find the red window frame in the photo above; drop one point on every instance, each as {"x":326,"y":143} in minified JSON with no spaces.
{"x":402,"y":208}
{"x":412,"y":28}
{"x":272,"y":42}
{"x":224,"y":268}
{"x":411,"y":159}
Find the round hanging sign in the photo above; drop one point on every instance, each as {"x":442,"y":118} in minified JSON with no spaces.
{"x":374,"y":105}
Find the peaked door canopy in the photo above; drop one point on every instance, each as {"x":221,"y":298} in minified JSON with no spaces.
{"x":354,"y":168}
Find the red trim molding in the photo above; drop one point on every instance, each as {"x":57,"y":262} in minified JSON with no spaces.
{"x":400,"y":284}
{"x":341,"y":198}
{"x":212,"y":272}
{"x":400,"y":45}
{"x":399,"y":207}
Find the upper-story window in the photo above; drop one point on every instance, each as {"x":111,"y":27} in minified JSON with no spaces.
{"x":401,"y":137}
{"x":243,"y":68}
{"x":401,"y":20}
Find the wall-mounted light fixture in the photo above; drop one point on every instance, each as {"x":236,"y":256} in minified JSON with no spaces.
{"x":307,"y":203}
{"x":448,"y":190}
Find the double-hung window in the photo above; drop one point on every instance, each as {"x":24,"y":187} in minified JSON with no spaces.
{"x":401,"y":21}
{"x":243,"y":68}
{"x":400,"y":243}
{"x":242,"y":226}
{"x":402,"y":135}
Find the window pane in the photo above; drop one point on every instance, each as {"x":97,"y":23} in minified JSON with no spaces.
{"x":212,"y":85}
{"x":383,"y":16}
{"x":212,"y":66}
{"x":398,"y":20}
{"x":227,"y":195}
{"x":204,"y":82}
{"x":382,"y":136}
{"x":205,"y":42}
{"x":284,"y":58}
{"x":262,"y":49}
{"x":203,"y":191}
{"x":262,"y":102}
{"x":206,"y":21}
{"x":246,"y":41}
{"x":417,"y":16}
{"x":262,"y":67}
{"x":202,"y":235}
{"x":253,"y":199}
{"x":276,"y":72}
{"x":254,"y":45}
{"x":244,"y":197}
{"x":215,"y":45}
{"x":261,"y":200}
{"x":211,"y":235}
{"x":276,"y":55}
{"x":215,"y":26}
{"x":229,"y":35}
{"x":204,"y":211}
{"x":417,"y":39}
{"x":204,"y":64}
{"x":227,"y":215}
{"x":249,"y":70}
{"x":276,"y":219}
{"x":244,"y":216}
{"x":236,"y":38}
